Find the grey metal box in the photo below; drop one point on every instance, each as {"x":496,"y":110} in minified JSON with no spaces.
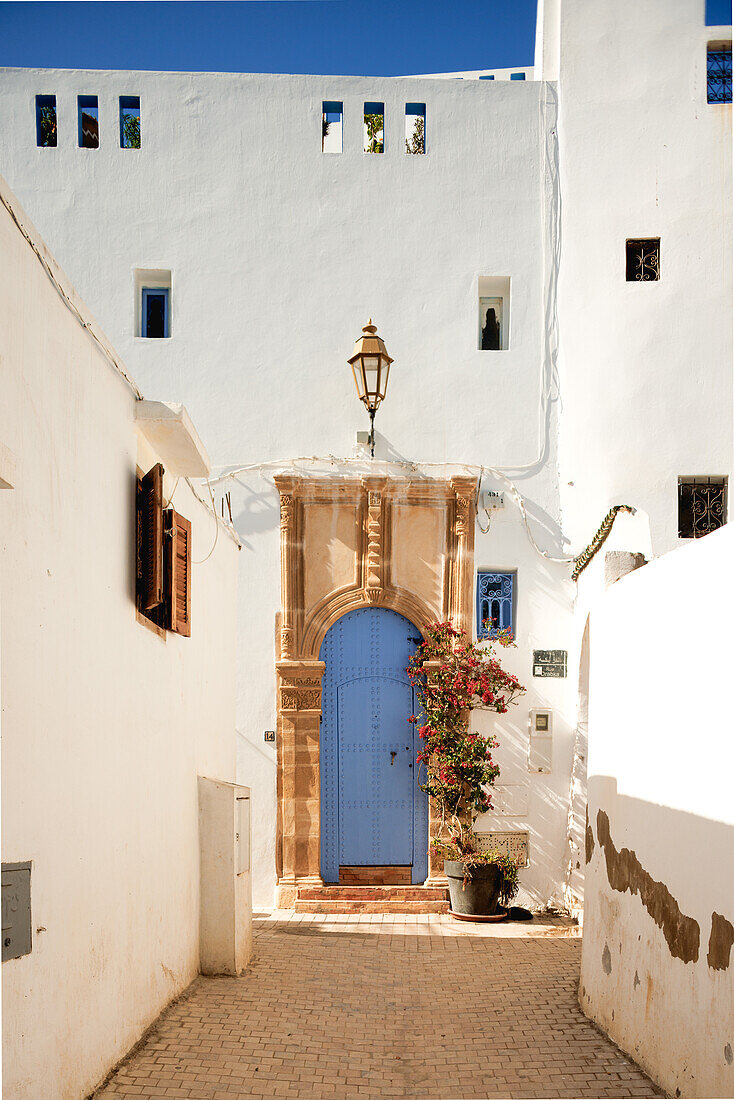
{"x":16,"y":897}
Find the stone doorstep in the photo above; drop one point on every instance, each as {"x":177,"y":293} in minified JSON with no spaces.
{"x":372,"y":899}
{"x":372,"y":893}
{"x":371,"y":907}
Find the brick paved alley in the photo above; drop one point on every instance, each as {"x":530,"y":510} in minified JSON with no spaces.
{"x":386,"y":1006}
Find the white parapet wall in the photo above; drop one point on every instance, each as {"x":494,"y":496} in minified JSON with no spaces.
{"x":106,"y":722}
{"x":659,"y":915}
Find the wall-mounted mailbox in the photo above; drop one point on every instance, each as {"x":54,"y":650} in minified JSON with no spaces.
{"x":16,"y":899}
{"x":540,"y":742}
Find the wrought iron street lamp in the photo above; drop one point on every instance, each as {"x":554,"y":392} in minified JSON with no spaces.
{"x":370,"y":365}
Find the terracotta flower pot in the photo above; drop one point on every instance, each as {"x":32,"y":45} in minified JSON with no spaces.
{"x":475,"y":895}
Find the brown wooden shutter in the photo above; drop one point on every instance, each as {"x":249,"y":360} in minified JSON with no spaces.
{"x":178,"y":572}
{"x":150,"y":539}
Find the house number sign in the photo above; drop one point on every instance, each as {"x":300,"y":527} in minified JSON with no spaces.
{"x":550,"y":662}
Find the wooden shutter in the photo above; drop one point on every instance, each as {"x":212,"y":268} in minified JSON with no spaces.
{"x":178,"y":572}
{"x":150,"y":539}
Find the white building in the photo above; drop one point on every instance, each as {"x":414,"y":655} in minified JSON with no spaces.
{"x":110,"y":724}
{"x":542,"y":199}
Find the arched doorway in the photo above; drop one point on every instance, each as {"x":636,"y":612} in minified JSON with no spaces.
{"x":373,"y":814}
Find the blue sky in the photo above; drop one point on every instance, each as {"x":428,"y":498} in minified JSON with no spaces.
{"x":348,"y":37}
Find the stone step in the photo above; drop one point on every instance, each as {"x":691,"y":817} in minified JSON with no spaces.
{"x":371,"y":906}
{"x":372,"y":893}
{"x":372,"y":899}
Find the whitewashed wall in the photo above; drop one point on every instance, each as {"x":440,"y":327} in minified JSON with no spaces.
{"x":645,"y":368}
{"x":105,"y":725}
{"x":660,"y":767}
{"x":279,"y":254}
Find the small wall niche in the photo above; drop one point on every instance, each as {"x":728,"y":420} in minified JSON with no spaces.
{"x":88,"y":119}
{"x":374,"y":127}
{"x":494,"y":313}
{"x":332,"y":126}
{"x":46,"y":129}
{"x":129,"y":121}
{"x":152,"y":303}
{"x":415,"y":128}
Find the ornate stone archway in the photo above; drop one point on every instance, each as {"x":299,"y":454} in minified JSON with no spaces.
{"x":401,"y":543}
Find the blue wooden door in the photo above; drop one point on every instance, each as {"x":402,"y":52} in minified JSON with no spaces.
{"x":372,"y":811}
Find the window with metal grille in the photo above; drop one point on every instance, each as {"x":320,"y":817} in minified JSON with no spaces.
{"x":495,"y":603}
{"x":718,"y":73}
{"x":643,"y":260}
{"x":701,"y":505}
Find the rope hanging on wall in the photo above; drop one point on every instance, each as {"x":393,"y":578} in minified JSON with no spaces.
{"x":599,"y":539}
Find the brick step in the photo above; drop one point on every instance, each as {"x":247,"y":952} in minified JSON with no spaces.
{"x":371,"y":906}
{"x":372,"y":893}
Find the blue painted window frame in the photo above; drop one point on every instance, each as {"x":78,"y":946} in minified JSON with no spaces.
{"x":86,"y":103}
{"x":718,"y":74}
{"x":504,"y":583}
{"x":156,"y":291}
{"x":44,"y":102}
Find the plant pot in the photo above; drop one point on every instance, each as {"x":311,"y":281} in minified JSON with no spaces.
{"x":479,"y":894}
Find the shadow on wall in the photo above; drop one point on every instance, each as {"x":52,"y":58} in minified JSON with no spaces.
{"x":658,"y":963}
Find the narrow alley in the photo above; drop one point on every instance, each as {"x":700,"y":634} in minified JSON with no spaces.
{"x":386,"y":1006}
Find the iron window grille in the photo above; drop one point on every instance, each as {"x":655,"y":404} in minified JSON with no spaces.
{"x":495,"y":603}
{"x":643,"y":260}
{"x":701,"y":506}
{"x":718,"y":74}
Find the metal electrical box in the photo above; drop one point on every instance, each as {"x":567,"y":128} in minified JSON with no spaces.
{"x":540,"y":741}
{"x":16,"y":898}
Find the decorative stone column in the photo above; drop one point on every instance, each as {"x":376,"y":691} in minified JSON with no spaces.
{"x":288,"y":567}
{"x":465,"y":489}
{"x":374,"y":557}
{"x":299,"y":787}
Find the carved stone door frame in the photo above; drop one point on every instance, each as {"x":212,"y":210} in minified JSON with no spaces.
{"x":401,"y":543}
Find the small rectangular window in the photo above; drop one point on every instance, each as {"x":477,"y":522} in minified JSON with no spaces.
{"x":718,"y":72}
{"x":129,"y":121}
{"x":155,"y":313}
{"x":517,"y":76}
{"x":495,"y":604}
{"x":643,"y":260}
{"x":332,"y":115}
{"x":718,"y":13}
{"x":487,"y":76}
{"x":46,"y":121}
{"x":494,"y":313}
{"x":701,"y":505}
{"x":415,"y":127}
{"x":88,"y":111}
{"x":374,"y":127}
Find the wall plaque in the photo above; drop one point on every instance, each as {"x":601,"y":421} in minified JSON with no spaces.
{"x":514,"y":844}
{"x":550,"y":662}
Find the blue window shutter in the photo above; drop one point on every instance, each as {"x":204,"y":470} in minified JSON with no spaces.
{"x":495,"y":603}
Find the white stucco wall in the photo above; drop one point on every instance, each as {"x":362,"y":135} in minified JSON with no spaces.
{"x":645,"y":368}
{"x":105,"y":725}
{"x":660,"y":766}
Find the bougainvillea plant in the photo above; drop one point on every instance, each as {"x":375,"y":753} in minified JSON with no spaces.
{"x":451,"y":677}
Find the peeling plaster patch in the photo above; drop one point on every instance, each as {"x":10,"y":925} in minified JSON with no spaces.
{"x":625,"y":872}
{"x":720,"y":942}
{"x":637,"y":980}
{"x":589,"y":838}
{"x":728,"y":1054}
{"x":606,"y":959}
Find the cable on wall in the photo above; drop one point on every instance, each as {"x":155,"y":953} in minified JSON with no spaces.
{"x":85,"y":324}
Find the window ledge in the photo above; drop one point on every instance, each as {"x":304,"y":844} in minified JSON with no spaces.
{"x":169,"y":430}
